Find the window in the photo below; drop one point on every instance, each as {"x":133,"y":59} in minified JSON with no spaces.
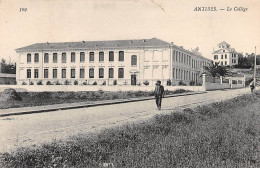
{"x":55,"y":57}
{"x":72,"y":57}
{"x":36,"y":73}
{"x":91,"y":56}
{"x":46,"y":73}
{"x":91,"y":73}
{"x":221,"y":63}
{"x":223,"y":50}
{"x":176,"y":56}
{"x":121,"y":73}
{"x":28,"y":73}
{"x":36,"y":57}
{"x":133,"y":60}
{"x":111,"y":56}
{"x":29,"y":60}
{"x":221,"y":56}
{"x":72,"y":73}
{"x":101,"y":72}
{"x":121,"y":55}
{"x":101,"y":56}
{"x":111,"y":72}
{"x":82,"y":73}
{"x":225,"y":62}
{"x":54,"y":73}
{"x":46,"y":58}
{"x":225,"y":56}
{"x":82,"y":56}
{"x":63,"y":73}
{"x":64,"y":58}
{"x":215,"y":56}
{"x":234,"y":60}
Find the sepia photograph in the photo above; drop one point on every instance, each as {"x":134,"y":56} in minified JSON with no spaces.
{"x":130,"y":84}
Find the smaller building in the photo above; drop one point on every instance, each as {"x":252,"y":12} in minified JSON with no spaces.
{"x":7,"y":78}
{"x":225,"y":55}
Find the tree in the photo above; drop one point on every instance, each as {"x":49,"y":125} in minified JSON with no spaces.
{"x":215,"y":70}
{"x":9,"y":68}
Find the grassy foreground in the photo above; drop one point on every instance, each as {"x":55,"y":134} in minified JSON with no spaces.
{"x":49,"y":98}
{"x":223,"y":134}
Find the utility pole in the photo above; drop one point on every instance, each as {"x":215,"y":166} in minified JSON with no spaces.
{"x":255,"y":68}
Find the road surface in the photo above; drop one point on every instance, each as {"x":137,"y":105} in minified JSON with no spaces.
{"x":29,"y":129}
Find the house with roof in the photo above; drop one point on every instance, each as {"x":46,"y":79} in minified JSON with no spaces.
{"x":121,"y":62}
{"x":225,"y":55}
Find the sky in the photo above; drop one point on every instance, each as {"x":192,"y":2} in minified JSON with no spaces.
{"x":170,"y":20}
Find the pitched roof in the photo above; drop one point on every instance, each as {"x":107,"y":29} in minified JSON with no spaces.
{"x":223,"y":43}
{"x":96,"y":44}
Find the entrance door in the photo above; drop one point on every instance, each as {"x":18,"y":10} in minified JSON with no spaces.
{"x":133,"y":79}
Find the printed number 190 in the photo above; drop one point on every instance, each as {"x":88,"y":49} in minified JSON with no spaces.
{"x":23,"y":9}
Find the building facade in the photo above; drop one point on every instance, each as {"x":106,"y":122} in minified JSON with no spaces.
{"x":121,"y":62}
{"x":225,"y":55}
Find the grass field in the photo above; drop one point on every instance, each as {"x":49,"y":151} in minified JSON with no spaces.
{"x":223,"y":134}
{"x":48,"y":98}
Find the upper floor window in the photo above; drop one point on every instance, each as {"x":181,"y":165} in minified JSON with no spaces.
{"x":82,"y":56}
{"x":36,"y":57}
{"x":55,"y":57}
{"x":64,"y":57}
{"x":46,"y":58}
{"x":111,"y":56}
{"x":28,"y":73}
{"x":215,"y":56}
{"x":72,"y":73}
{"x":133,"y":60}
{"x":29,"y":58}
{"x":121,"y":73}
{"x":101,"y":72}
{"x":121,"y":55}
{"x":221,"y":56}
{"x":72,"y":57}
{"x":91,"y":73}
{"x":225,"y":56}
{"x":91,"y":56}
{"x":101,"y":56}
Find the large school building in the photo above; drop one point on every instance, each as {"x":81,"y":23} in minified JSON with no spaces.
{"x":122,"y":62}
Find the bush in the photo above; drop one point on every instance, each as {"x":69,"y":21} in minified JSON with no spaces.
{"x":182,"y":83}
{"x":24,"y":83}
{"x":104,"y":83}
{"x":114,"y":82}
{"x":192,"y":83}
{"x":57,"y":83}
{"x":169,"y":82}
{"x":31,"y":83}
{"x":48,"y":83}
{"x":146,"y":83}
{"x":39,"y":82}
{"x":66,"y":82}
{"x":95,"y":83}
{"x":85,"y":83}
{"x":10,"y":94}
{"x":76,"y":82}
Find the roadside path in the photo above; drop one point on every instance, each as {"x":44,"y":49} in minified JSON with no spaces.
{"x":26,"y":130}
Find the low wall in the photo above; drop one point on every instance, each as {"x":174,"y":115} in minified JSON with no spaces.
{"x":237,"y":86}
{"x":216,"y":86}
{"x":42,"y":88}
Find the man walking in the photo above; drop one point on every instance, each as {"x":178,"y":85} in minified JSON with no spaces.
{"x":158,"y":93}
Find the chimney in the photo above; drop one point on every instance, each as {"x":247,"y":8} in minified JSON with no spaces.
{"x":83,"y":41}
{"x":144,"y":40}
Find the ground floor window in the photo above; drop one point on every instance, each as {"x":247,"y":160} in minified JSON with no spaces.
{"x":82,"y":73}
{"x":72,"y":73}
{"x":121,"y":73}
{"x":54,"y":73}
{"x":36,"y":73}
{"x":63,"y":73}
{"x":91,"y":73}
{"x":46,"y":73}
{"x":101,"y":72}
{"x":28,"y":73}
{"x":111,"y":72}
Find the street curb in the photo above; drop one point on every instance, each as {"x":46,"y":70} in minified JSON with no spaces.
{"x":119,"y":101}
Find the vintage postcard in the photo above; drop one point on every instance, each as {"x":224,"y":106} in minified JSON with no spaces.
{"x":129,"y":83}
